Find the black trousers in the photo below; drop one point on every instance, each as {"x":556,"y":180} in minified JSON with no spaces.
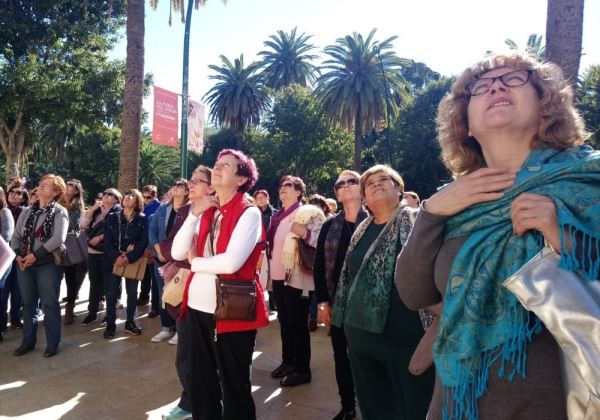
{"x":96,"y":282}
{"x":219,"y":371}
{"x":74,"y":275}
{"x":343,"y":372}
{"x":182,"y":366}
{"x":292,"y":311}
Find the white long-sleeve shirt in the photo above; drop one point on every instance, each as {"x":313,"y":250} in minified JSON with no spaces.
{"x":246,"y":234}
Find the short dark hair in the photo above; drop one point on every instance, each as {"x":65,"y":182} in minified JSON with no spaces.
{"x":246,"y":168}
{"x":263,"y":192}
{"x":319,"y":201}
{"x":298,"y":184}
{"x":152,"y":189}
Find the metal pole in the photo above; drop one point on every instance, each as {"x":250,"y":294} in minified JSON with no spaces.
{"x":184,"y":89}
{"x":387,"y":103}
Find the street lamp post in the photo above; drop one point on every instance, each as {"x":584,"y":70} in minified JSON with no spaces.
{"x":377,"y":51}
{"x":185,"y":89}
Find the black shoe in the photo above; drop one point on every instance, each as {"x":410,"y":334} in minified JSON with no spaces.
{"x":1,"y":336}
{"x":346,"y":414}
{"x":109,"y":332}
{"x":64,"y":299}
{"x":16,"y":325}
{"x":295,"y":378}
{"x":21,"y":350}
{"x":50,"y":351}
{"x":153,"y":314}
{"x":132,"y":329}
{"x":283,"y":370}
{"x":89,"y":320}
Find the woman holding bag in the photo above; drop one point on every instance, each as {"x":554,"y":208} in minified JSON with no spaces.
{"x":72,"y":200}
{"x":125,"y":239}
{"x":228,"y":235}
{"x":41,"y":229}
{"x":510,"y":134}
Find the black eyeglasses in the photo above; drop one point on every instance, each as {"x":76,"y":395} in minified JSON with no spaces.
{"x":111,"y":194}
{"x":342,"y":184}
{"x":287,"y":185}
{"x":482,"y":85}
{"x":180,"y":185}
{"x":16,"y":192}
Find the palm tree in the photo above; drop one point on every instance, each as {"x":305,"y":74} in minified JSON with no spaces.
{"x":286,"y":61}
{"x":132,"y":97}
{"x":564,"y":31}
{"x":352,"y":89}
{"x":239,"y":97}
{"x":534,"y":46}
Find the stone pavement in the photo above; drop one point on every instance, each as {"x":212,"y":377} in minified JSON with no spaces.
{"x":132,"y":378}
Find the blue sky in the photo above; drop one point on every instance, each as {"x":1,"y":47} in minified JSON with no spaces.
{"x":447,"y":35}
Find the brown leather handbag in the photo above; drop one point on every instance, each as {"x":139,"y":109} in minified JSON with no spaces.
{"x":306,"y":257}
{"x":236,"y":300}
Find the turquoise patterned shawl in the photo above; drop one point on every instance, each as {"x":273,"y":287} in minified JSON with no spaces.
{"x":482,"y":322}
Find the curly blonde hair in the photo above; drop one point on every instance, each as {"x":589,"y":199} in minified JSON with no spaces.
{"x":560,"y":125}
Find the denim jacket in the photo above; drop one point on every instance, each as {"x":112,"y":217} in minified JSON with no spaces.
{"x":134,"y":232}
{"x":158,"y":225}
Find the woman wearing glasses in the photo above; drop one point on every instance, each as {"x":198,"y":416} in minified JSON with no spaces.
{"x":41,"y":229}
{"x":17,"y":198}
{"x":93,"y":223}
{"x":329,"y":257}
{"x":161,"y":224}
{"x":382,"y":333}
{"x":72,"y":200}
{"x":291,"y":288}
{"x":513,"y":140}
{"x":125,"y":239}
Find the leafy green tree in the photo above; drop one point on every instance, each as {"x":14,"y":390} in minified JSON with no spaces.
{"x":159,"y":165}
{"x":238,"y":98}
{"x":588,"y":102}
{"x":351,"y":90}
{"x":49,"y":51}
{"x":286,"y":61}
{"x":300,"y":141}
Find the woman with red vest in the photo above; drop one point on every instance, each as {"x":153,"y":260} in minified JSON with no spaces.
{"x":220,"y":352}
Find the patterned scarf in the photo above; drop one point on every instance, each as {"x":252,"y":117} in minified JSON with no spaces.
{"x":371,"y":288}
{"x":482,"y":322}
{"x":277,"y":217}
{"x":44,"y":232}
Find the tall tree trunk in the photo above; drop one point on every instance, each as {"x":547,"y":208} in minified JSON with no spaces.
{"x":239,"y":138}
{"x":358,"y":140}
{"x":12,"y":142}
{"x":564,"y":28}
{"x":132,"y":99}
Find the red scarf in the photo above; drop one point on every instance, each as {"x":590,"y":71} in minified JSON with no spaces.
{"x":231,"y":213}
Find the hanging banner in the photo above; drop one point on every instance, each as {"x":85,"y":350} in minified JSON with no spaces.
{"x":195,"y":127}
{"x":165,"y":120}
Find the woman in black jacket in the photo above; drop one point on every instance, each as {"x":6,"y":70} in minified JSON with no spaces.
{"x":125,"y":239}
{"x":93,"y":224}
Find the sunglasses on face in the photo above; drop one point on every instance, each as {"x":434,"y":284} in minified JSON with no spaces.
{"x":342,"y":184}
{"x":287,"y":185}
{"x":146,"y":197}
{"x":179,"y":185}
{"x":110,"y":194}
{"x":16,"y":192}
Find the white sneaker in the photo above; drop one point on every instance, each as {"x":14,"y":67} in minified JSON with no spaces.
{"x":164,"y":333}
{"x":173,"y":340}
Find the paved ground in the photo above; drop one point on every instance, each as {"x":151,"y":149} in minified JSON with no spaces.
{"x":131,"y":378}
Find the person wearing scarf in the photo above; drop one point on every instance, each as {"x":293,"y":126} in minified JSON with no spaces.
{"x":291,"y":286}
{"x":382,"y":332}
{"x":220,"y":352}
{"x":41,"y":229}
{"x":332,"y":245}
{"x":511,"y":136}
{"x":92,"y":223}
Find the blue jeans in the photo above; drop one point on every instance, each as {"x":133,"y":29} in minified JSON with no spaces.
{"x":165,"y":319}
{"x":40,"y":282}
{"x":111,"y":288}
{"x":11,"y":288}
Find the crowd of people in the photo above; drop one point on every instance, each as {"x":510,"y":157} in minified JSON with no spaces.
{"x":411,"y":291}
